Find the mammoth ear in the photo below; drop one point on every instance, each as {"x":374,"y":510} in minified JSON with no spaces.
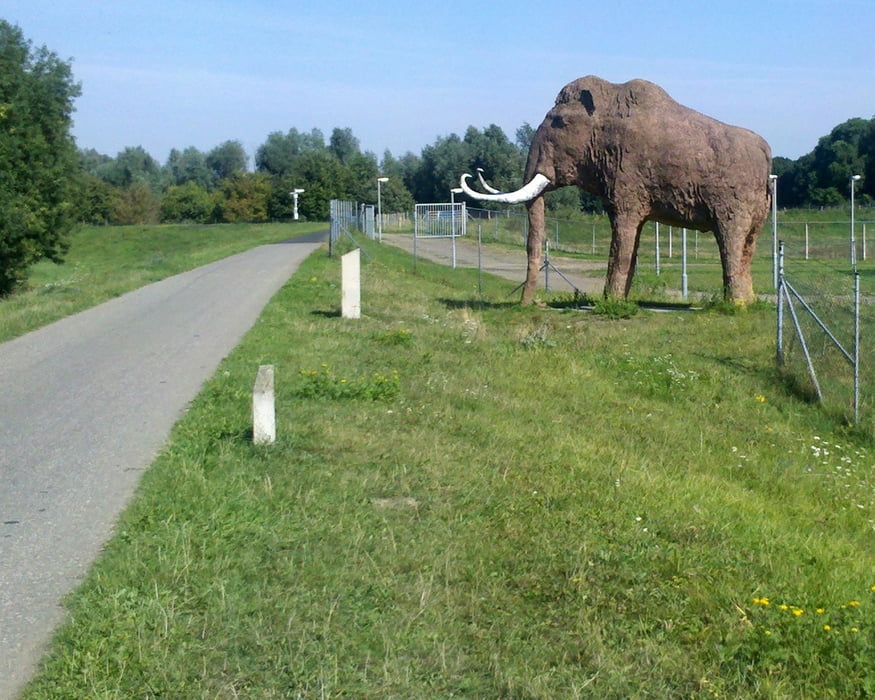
{"x":585,"y":98}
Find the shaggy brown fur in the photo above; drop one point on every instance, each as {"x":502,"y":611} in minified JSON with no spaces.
{"x":651,"y":159}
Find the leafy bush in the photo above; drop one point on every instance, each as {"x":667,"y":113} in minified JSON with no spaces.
{"x":615,"y":308}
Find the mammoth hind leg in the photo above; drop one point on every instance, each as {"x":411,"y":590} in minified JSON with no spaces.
{"x":736,"y":246}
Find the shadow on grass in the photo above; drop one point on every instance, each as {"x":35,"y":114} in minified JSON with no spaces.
{"x":478,"y":304}
{"x":326,"y":313}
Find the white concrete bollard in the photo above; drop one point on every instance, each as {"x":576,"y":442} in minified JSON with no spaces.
{"x":263,"y":407}
{"x":351,"y":293}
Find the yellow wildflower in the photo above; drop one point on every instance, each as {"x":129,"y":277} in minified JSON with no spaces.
{"x":853,"y":603}
{"x":820,"y":611}
{"x":798,"y":611}
{"x":826,"y":628}
{"x":854,"y":630}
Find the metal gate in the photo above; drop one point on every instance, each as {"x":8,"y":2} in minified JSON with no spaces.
{"x":440,"y":220}
{"x":344,"y":220}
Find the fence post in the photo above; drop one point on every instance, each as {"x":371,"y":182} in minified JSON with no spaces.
{"x":856,"y":348}
{"x":657,"y":249}
{"x":806,"y":240}
{"x":263,"y":407}
{"x":350,"y":272}
{"x":779,"y":340}
{"x":684,"y":263}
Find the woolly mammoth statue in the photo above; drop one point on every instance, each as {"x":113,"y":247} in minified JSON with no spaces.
{"x":647,"y":158}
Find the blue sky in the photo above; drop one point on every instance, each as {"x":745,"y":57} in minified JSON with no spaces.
{"x":400,"y":73}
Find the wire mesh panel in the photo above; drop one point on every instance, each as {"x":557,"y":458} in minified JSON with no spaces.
{"x":440,"y":220}
{"x":344,"y":220}
{"x":819,"y":341}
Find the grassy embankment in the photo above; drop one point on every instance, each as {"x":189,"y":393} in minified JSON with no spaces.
{"x":106,"y":261}
{"x":469,"y":499}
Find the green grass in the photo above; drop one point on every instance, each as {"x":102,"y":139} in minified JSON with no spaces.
{"x":471,"y":499}
{"x":106,"y":261}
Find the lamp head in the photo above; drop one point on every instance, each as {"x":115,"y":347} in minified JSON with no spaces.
{"x":854,"y":178}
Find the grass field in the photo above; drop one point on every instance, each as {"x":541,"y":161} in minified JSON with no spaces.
{"x":470,"y":499}
{"x":106,"y":261}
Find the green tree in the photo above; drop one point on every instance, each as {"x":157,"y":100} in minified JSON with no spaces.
{"x":189,"y":202}
{"x":38,"y":157}
{"x":442,"y":164}
{"x":227,"y":159}
{"x":190,"y":165}
{"x":93,"y":199}
{"x":324,"y":178}
{"x":280,"y":154}
{"x":502,"y":161}
{"x":132,"y":166}
{"x":246,"y":197}
{"x":344,"y":145}
{"x":136,"y":204}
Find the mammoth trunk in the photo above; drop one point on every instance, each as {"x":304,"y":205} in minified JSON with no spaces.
{"x":534,"y":248}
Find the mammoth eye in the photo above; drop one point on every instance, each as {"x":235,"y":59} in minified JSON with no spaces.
{"x":558,"y":122}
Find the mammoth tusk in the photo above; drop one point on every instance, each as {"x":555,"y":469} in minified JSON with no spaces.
{"x":529,"y":191}
{"x":486,"y":186}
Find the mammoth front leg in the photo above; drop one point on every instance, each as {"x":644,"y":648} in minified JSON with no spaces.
{"x":534,"y":249}
{"x":623,"y":256}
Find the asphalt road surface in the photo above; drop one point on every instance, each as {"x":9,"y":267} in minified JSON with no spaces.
{"x":85,"y":405}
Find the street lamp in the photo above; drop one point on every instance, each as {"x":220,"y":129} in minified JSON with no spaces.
{"x":773,"y":179}
{"x":380,"y":208}
{"x":295,"y":192}
{"x":854,"y":179}
{"x":453,"y":192}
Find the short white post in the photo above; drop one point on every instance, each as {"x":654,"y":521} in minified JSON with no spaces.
{"x":263,"y":410}
{"x":351,"y":295}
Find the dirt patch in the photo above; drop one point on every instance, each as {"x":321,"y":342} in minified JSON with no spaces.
{"x":563,"y":274}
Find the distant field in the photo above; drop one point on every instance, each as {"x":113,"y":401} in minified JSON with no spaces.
{"x":106,"y":261}
{"x":471,"y":499}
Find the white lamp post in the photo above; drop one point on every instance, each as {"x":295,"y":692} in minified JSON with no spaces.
{"x":453,"y":192}
{"x":295,"y":194}
{"x":774,"y":182}
{"x":380,"y":180}
{"x":854,"y":179}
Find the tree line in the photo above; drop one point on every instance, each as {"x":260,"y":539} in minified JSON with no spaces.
{"x":822,"y":177}
{"x":218,"y":186}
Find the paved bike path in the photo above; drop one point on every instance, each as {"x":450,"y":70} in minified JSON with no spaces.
{"x":85,"y":405}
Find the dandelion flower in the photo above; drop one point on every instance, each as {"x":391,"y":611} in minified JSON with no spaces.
{"x":853,"y":603}
{"x":820,"y":611}
{"x":826,"y":628}
{"x":760,"y":398}
{"x":798,"y":611}
{"x":854,"y":630}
